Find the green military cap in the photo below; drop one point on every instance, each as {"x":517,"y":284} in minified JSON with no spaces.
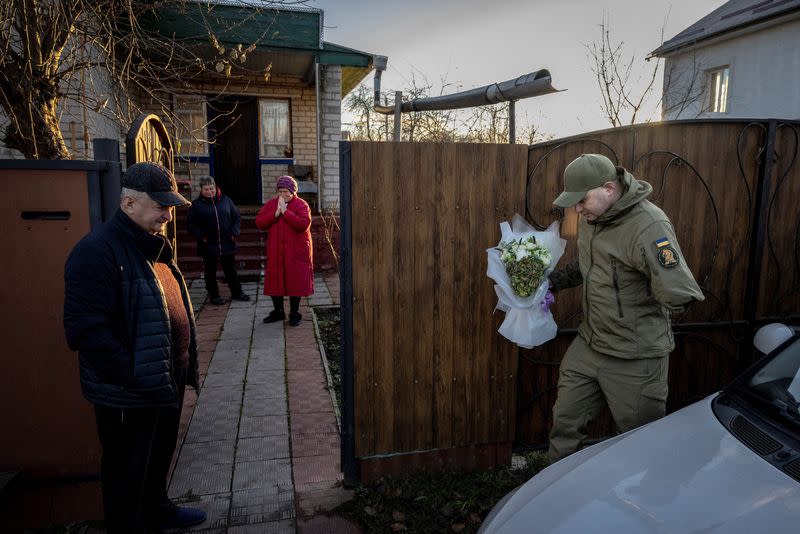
{"x":585,"y":172}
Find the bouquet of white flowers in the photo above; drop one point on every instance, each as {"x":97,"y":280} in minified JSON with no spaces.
{"x":519,"y":265}
{"x":525,"y":261}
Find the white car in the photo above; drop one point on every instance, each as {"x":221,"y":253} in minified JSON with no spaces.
{"x":729,"y":463}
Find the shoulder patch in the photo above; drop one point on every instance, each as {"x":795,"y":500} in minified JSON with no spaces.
{"x":662,"y":242}
{"x":667,"y":257}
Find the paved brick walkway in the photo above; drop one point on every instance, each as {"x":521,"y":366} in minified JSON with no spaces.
{"x":261,"y":452}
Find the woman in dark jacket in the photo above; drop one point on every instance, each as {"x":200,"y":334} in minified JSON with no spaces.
{"x":214,"y":222}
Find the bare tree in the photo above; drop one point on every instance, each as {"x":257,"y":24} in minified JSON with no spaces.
{"x":620,"y":78}
{"x":53,"y":50}
{"x":684,"y":88}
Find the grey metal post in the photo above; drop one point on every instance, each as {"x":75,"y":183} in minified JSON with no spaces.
{"x":512,"y":122}
{"x":398,"y":103}
{"x":110,"y":181}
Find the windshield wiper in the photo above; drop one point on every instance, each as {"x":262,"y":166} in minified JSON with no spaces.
{"x":786,"y":408}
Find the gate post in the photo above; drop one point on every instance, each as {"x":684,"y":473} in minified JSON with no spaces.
{"x":759,"y":224}
{"x":110,"y":181}
{"x":348,"y":457}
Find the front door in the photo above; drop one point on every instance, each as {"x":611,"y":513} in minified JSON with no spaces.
{"x":234,"y":121}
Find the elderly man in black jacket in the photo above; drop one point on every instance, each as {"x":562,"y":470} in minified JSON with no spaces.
{"x":213,"y":221}
{"x":127,"y":312}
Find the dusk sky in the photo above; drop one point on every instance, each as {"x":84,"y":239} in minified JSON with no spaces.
{"x":471,"y":43}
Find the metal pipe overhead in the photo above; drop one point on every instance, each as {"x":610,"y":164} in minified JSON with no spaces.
{"x":534,"y":84}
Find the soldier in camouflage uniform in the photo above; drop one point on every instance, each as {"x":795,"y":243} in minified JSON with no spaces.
{"x":634,"y":276}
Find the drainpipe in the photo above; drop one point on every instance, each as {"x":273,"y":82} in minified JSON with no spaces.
{"x":533,"y":84}
{"x":379,"y":63}
{"x":319,"y":139}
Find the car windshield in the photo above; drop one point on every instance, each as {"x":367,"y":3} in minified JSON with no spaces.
{"x":776,"y":384}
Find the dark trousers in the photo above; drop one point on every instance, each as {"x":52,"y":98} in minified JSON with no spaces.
{"x":138,"y":444}
{"x":228,"y":267}
{"x":294,"y":304}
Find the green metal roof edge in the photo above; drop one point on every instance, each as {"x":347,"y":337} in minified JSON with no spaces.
{"x":268,"y":28}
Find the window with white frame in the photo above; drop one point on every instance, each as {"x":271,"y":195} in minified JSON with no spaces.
{"x":190,"y":123}
{"x":275,"y":126}
{"x":718,"y":80}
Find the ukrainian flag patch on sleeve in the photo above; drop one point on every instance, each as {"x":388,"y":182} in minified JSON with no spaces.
{"x":662,"y":242}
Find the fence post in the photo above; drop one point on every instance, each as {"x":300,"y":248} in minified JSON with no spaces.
{"x":759,"y":225}
{"x":110,"y":181}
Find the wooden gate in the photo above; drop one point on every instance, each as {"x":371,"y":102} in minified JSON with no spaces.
{"x":434,"y":383}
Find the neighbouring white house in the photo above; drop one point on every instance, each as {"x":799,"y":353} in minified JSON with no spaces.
{"x":740,"y":61}
{"x":281,"y":114}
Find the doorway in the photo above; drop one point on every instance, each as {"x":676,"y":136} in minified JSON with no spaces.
{"x":234,"y":123}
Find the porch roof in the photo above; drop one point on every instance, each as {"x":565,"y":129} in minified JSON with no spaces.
{"x":291,"y":39}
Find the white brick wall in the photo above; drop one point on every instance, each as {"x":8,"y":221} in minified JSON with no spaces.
{"x":331,"y":134}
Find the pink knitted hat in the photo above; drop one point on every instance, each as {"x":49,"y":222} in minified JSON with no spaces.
{"x":288,"y":182}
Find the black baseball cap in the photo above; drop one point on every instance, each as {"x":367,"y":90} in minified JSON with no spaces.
{"x":155,"y":180}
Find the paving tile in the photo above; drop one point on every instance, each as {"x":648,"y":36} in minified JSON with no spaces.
{"x":271,"y":351}
{"x":253,"y":407}
{"x":315,"y":444}
{"x":260,"y":506}
{"x":273,"y":527}
{"x":216,"y":410}
{"x":223,"y":364}
{"x":262,"y":448}
{"x":253,"y":390}
{"x":208,"y":452}
{"x":200,"y":480}
{"x":212,"y":395}
{"x":267,"y":425}
{"x":233,"y":345}
{"x":212,"y":428}
{"x":314,"y":423}
{"x":267,"y":364}
{"x":311,"y":469}
{"x":228,"y":378}
{"x":311,"y":402}
{"x":262,"y":474}
{"x":306,"y":379}
{"x":272,"y":379}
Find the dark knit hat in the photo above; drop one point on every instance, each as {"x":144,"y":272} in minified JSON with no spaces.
{"x":155,"y":180}
{"x":288,"y":182}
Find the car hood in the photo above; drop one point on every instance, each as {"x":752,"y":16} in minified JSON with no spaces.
{"x":683,"y":473}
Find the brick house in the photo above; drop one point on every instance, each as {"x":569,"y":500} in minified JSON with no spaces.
{"x":281,"y":114}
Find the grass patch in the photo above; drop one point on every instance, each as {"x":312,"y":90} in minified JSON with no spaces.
{"x":436,"y":502}
{"x":328,"y":320}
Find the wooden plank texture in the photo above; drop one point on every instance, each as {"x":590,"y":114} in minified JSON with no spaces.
{"x":423,"y":217}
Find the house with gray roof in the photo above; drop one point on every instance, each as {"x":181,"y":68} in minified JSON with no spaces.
{"x":742,"y":60}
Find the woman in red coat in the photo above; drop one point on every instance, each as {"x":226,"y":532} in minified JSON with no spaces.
{"x":289,"y":270}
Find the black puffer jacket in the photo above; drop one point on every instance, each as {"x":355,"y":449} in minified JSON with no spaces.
{"x":115,"y":316}
{"x":214,"y":223}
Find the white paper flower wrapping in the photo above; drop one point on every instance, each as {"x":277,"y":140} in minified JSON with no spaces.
{"x":528,"y":322}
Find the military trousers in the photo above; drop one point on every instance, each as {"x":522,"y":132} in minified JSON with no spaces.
{"x":635,"y":391}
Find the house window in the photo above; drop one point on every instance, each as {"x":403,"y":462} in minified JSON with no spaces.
{"x":275,"y":128}
{"x":718,"y":89}
{"x":190,"y":125}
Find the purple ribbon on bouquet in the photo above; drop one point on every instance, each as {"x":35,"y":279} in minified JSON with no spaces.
{"x":548,"y":301}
